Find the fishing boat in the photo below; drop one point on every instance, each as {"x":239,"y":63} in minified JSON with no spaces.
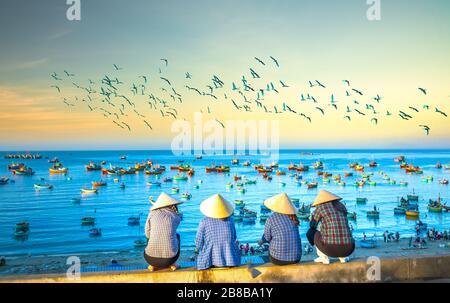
{"x":280,"y":173}
{"x":229,"y":185}
{"x":368,"y":243}
{"x":98,"y":183}
{"x":353,"y":164}
{"x":246,"y":163}
{"x":292,"y":167}
{"x":167,"y":179}
{"x":412,"y":213}
{"x":351,"y":216}
{"x":392,"y":182}
{"x":361,"y":200}
{"x":372,"y":183}
{"x":359,"y":168}
{"x":21,"y":234}
{"x":89,"y":190}
{"x":303,"y":168}
{"x":248,"y":220}
{"x":264,"y":170}
{"x":264,"y":209}
{"x":191,"y":172}
{"x":237,"y":178}
{"x":235,"y":161}
{"x":75,"y":200}
{"x":133,"y":221}
{"x":4,"y":180}
{"x":312,"y":185}
{"x":54,"y":160}
{"x":93,"y":167}
{"x":199,"y":157}
{"x":438,"y":165}
{"x":373,"y":164}
{"x":249,"y":182}
{"x":23,"y":226}
{"x":196,"y":186}
{"x":43,"y":186}
{"x":435,"y":206}
{"x":373,"y":214}
{"x":348,"y":175}
{"x":186,"y":196}
{"x":95,"y":232}
{"x":342,"y":184}
{"x":23,"y":171}
{"x":223,"y":169}
{"x":282,"y":184}
{"x":140,"y":166}
{"x":403,"y":183}
{"x":326,"y":180}
{"x":399,"y":159}
{"x":412,"y":197}
{"x":264,"y":217}
{"x":211,"y":169}
{"x":241,"y":190}
{"x":175,"y":190}
{"x":443,"y":182}
{"x":58,"y":170}
{"x":88,"y":221}
{"x":318,"y":165}
{"x":153,"y":183}
{"x":239,"y":203}
{"x":238,"y":217}
{"x":180,"y":178}
{"x":153,"y":171}
{"x":184,"y":168}
{"x":399,"y":210}
{"x":140,"y":243}
{"x":15,"y":166}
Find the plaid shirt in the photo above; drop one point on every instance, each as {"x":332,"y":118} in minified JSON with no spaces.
{"x":284,"y":238}
{"x":161,"y":231}
{"x":334,"y":226}
{"x":216,"y":243}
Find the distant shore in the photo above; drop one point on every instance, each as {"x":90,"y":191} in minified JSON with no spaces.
{"x":32,"y":265}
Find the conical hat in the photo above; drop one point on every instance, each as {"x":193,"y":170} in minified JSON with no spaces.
{"x":281,"y":204}
{"x":164,"y":200}
{"x":216,"y":207}
{"x":325,"y":197}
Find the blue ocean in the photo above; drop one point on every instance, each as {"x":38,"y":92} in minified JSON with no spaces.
{"x":55,"y":222}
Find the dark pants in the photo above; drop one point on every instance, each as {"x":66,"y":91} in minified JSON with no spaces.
{"x":331,"y":250}
{"x":279,"y":262}
{"x":163,"y":262}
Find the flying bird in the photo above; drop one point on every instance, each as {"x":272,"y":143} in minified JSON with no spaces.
{"x":260,"y":61}
{"x":426,"y":129}
{"x":423,"y":90}
{"x":275,"y":60}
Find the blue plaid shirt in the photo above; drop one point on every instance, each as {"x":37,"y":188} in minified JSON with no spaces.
{"x":284,"y":238}
{"x":216,"y":243}
{"x":161,"y":231}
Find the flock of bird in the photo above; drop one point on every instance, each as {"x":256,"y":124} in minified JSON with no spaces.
{"x":123,"y":102}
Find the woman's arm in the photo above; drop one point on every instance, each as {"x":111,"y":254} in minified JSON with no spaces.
{"x":267,"y":236}
{"x":199,"y":239}
{"x":147,"y":226}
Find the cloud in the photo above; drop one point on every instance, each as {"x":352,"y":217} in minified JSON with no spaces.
{"x":31,"y":64}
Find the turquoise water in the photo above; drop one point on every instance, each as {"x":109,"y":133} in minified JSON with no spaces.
{"x":55,"y":221}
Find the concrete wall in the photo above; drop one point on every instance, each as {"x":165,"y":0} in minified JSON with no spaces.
{"x":392,"y":270}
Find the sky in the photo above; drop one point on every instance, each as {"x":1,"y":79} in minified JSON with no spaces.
{"x":321,"y":40}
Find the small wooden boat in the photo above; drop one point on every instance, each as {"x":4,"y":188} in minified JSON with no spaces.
{"x":373,"y":164}
{"x":238,"y":217}
{"x":249,"y":182}
{"x":24,"y":171}
{"x":318,"y":165}
{"x":341,"y":184}
{"x":4,"y":180}
{"x":292,"y":167}
{"x":361,"y":200}
{"x":312,"y":185}
{"x":196,"y":186}
{"x":89,"y":190}
{"x":58,"y":170}
{"x":88,"y":221}
{"x":348,"y":175}
{"x":199,"y":157}
{"x":443,"y":182}
{"x":435,"y":206}
{"x":211,"y":169}
{"x":186,"y":196}
{"x":303,"y":168}
{"x":241,"y":190}
{"x":246,"y":163}
{"x":264,"y":217}
{"x":24,"y":226}
{"x":412,"y":198}
{"x":400,"y":211}
{"x":412,"y":213}
{"x":153,"y":172}
{"x":392,"y":182}
{"x":95,"y":232}
{"x":167,"y":179}
{"x":368,"y":243}
{"x":326,"y":180}
{"x":359,"y":168}
{"x":438,"y":165}
{"x":75,"y":200}
{"x":93,"y":167}
{"x":373,"y":214}
{"x":280,"y":173}
{"x":43,"y":186}
{"x":372,"y":183}
{"x":264,"y":209}
{"x":282,"y":184}
{"x":223,"y":169}
{"x":98,"y":183}
{"x":399,"y":159}
{"x":133,"y":221}
{"x":351,"y":216}
{"x":403,"y":183}
{"x":180,"y":178}
{"x":229,"y":185}
{"x":235,"y":161}
{"x":152,"y":183}
{"x":140,"y":243}
{"x":175,"y":190}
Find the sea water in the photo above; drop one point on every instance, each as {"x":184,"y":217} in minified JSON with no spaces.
{"x":55,"y":222}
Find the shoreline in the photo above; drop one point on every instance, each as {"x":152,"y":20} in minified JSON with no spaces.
{"x":32,"y":265}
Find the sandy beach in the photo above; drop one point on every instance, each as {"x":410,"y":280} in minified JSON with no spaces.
{"x":28,"y":265}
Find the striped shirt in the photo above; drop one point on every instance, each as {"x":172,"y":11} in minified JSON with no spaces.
{"x":283,"y":237}
{"x":161,"y":230}
{"x":216,"y":243}
{"x":333,"y":226}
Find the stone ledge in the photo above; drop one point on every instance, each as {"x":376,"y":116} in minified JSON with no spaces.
{"x":392,"y":270}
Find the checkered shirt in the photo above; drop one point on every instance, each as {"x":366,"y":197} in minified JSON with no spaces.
{"x":216,"y":243}
{"x":283,"y":238}
{"x":161,"y":230}
{"x":333,"y":226}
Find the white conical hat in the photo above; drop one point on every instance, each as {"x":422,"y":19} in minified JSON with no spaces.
{"x":325,"y":197}
{"x":164,"y":200}
{"x":281,"y":204}
{"x":216,"y":207}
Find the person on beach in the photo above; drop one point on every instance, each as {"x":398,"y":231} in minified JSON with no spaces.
{"x":163,"y":248}
{"x":216,"y":241}
{"x":281,"y":231}
{"x":334,"y":238}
